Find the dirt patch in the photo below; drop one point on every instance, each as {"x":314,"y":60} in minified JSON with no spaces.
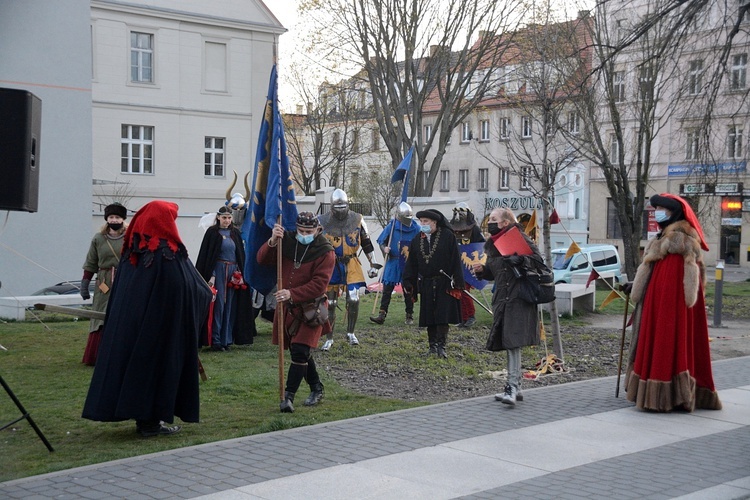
{"x":590,"y":351}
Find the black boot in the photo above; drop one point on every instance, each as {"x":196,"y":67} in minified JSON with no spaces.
{"x":432,"y":340}
{"x":441,"y":350}
{"x":442,"y":337}
{"x":380,"y":318}
{"x":287,"y":405}
{"x":316,"y":394}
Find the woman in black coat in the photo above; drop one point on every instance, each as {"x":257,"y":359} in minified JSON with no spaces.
{"x":434,"y":270}
{"x":222,"y":254}
{"x":515,"y":322}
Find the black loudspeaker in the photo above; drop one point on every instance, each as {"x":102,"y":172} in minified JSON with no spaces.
{"x":20,"y":134}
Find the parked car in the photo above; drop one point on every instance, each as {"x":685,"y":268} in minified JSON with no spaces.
{"x":65,"y":288}
{"x":600,"y":257}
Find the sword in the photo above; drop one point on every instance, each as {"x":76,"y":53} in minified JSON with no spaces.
{"x":467,"y":293}
{"x":88,"y":313}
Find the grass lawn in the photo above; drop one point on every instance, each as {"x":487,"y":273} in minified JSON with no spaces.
{"x":42,"y":365}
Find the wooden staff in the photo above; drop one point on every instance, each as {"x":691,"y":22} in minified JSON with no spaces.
{"x":622,"y":342}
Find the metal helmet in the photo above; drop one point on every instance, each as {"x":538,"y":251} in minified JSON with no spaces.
{"x":404,"y":213}
{"x":463,"y":218}
{"x":339,"y":204}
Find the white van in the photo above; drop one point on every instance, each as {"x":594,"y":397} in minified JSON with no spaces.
{"x":600,"y":257}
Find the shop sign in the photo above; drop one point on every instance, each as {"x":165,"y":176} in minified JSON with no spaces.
{"x":692,"y":188}
{"x":512,"y":202}
{"x":731,"y":221}
{"x":724,"y":168}
{"x":730,"y":188}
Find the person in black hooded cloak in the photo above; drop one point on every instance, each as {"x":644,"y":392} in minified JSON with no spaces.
{"x":147,"y":368}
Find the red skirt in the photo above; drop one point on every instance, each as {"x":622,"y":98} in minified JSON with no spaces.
{"x":92,"y":348}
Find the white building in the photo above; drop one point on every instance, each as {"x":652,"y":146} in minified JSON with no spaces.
{"x":178,"y":93}
{"x":147,"y":99}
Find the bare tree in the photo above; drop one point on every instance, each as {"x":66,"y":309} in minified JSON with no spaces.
{"x":543,"y":73}
{"x":325,"y":136}
{"x":381,"y":195}
{"x":425,"y":62}
{"x":621,"y":120}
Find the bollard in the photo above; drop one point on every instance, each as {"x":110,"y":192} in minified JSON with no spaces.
{"x":718,"y":291}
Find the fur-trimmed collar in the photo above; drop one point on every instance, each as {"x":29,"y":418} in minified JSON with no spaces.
{"x":678,"y":238}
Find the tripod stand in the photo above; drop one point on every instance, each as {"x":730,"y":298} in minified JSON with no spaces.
{"x":24,"y":415}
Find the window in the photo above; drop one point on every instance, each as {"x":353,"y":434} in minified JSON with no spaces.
{"x":215,"y":67}
{"x":504,"y":178}
{"x":614,"y":149}
{"x":526,"y":127}
{"x":646,"y":83}
{"x":137,"y":144}
{"x":739,"y":72}
{"x":427,"y":134}
{"x":465,"y":132}
{"x":525,"y":177}
{"x":691,"y":152}
{"x":213,"y":154}
{"x":504,"y":129}
{"x":336,"y":142}
{"x":375,"y":139}
{"x":445,"y":177}
{"x":746,"y":15}
{"x":463,"y":179}
{"x":355,"y":141}
{"x":484,"y":179}
{"x":695,"y":77}
{"x":141,"y":57}
{"x":551,"y":126}
{"x":484,"y":130}
{"x":574,"y":122}
{"x":618,"y":86}
{"x":734,"y":142}
{"x":614,"y":230}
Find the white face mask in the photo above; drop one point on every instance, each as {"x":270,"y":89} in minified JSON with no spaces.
{"x":660,"y":215}
{"x":305,"y":239}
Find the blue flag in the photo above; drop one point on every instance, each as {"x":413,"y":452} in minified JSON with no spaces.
{"x":402,"y":173}
{"x":273,"y":193}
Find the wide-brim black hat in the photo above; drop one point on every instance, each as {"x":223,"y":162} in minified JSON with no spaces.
{"x":115,"y":209}
{"x":669,"y":203}
{"x":435,"y":215}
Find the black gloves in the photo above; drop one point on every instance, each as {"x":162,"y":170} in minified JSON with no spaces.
{"x":85,"y":295}
{"x":514,"y":260}
{"x":627,"y":287}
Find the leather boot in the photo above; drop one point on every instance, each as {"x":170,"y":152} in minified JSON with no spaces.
{"x":316,"y":394}
{"x":442,"y":338}
{"x":287,"y":405}
{"x":380,"y":318}
{"x":441,"y":350}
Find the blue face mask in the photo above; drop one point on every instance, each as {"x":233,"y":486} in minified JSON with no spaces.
{"x":305,"y":239}
{"x":661,"y":215}
{"x":426,"y":229}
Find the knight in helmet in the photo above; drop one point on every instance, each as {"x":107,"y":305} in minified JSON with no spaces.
{"x":464,"y":226}
{"x":394,"y":243}
{"x":347,"y":233}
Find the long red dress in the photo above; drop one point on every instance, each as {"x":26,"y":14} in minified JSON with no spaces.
{"x":671,"y":365}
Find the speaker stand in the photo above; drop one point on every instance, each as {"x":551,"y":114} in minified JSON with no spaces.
{"x":24,"y":415}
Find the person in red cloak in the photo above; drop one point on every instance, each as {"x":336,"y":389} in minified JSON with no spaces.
{"x":147,"y":369}
{"x":669,"y":366}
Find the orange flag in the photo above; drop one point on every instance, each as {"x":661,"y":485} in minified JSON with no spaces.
{"x":531,"y":225}
{"x":612,"y":296}
{"x":593,"y":276}
{"x":572,"y":250}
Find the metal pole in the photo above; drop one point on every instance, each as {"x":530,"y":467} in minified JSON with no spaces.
{"x":718,"y":291}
